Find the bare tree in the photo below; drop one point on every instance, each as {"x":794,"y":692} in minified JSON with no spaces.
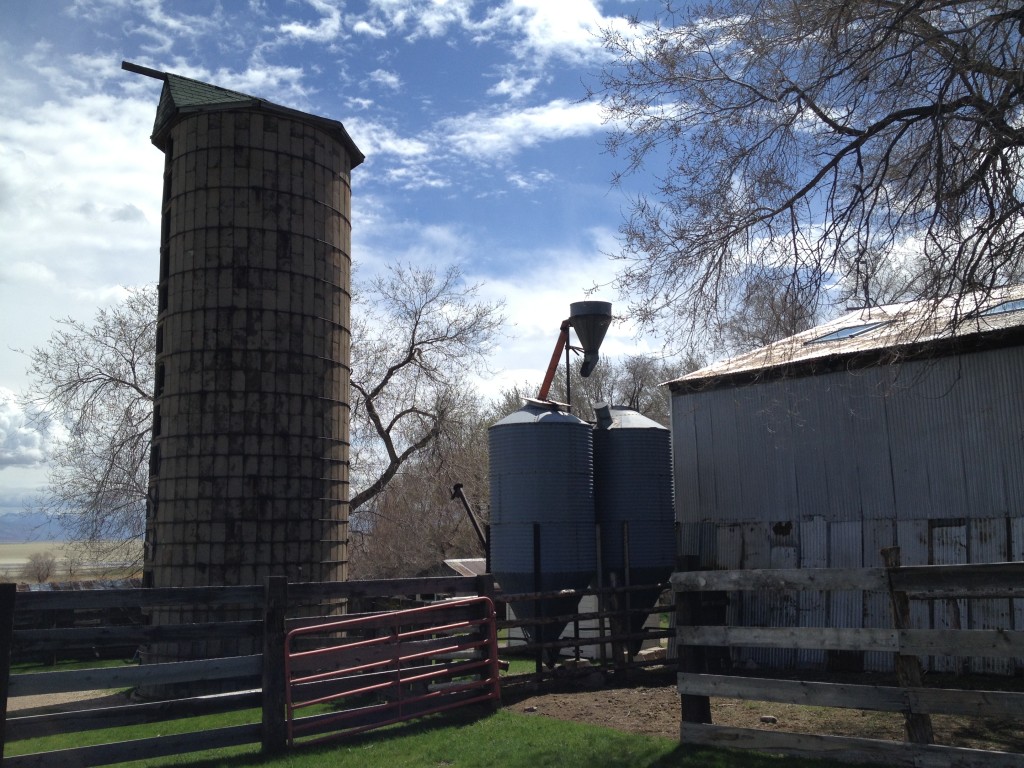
{"x":797,"y":140}
{"x":420,"y":334}
{"x":417,"y":335}
{"x":96,"y":382}
{"x":765,"y":313}
{"x":40,"y":567}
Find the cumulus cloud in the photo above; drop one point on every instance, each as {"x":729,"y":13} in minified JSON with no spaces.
{"x":326,"y":29}
{"x":386,"y":79}
{"x":21,"y":443}
{"x":514,"y":87}
{"x":502,"y":133}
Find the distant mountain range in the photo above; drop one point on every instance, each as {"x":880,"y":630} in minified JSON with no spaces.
{"x":29,"y":526}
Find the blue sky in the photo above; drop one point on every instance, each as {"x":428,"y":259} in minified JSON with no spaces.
{"x":480,"y":151}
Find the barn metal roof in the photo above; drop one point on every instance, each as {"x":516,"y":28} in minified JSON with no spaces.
{"x":876,"y":336}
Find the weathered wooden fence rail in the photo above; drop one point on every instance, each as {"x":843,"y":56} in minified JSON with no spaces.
{"x":256,"y":682}
{"x":250,"y":681}
{"x":916,"y":702}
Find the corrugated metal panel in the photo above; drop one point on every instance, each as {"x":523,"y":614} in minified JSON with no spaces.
{"x":812,"y":603}
{"x":987,"y":544}
{"x":1017,"y":554}
{"x":878,"y":535}
{"x":865,"y":395}
{"x":948,"y":546}
{"x":684,"y":458}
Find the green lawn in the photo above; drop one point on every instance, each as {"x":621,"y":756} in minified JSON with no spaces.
{"x":503,"y":739}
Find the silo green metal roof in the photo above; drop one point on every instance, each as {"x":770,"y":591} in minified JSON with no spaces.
{"x":182,"y":95}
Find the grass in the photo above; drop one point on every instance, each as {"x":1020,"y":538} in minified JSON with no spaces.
{"x":474,"y":739}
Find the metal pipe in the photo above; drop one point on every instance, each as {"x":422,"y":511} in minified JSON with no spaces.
{"x":458,"y":492}
{"x":556,"y":356}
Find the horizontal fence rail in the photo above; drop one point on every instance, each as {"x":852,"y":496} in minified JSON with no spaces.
{"x":245,"y":674}
{"x":696,"y":685}
{"x":111,"y":623}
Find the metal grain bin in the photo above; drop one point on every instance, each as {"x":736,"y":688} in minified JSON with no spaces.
{"x":633,"y":502}
{"x":541,"y":473}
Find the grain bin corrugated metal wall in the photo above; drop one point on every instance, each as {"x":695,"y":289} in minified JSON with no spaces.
{"x":250,"y":447}
{"x":826,"y":470}
{"x":633,"y":503}
{"x":541,"y":472}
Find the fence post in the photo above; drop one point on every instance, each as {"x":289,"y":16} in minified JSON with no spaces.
{"x":7,"y":595}
{"x":693,"y":709}
{"x":275,"y":732}
{"x":918,"y":727}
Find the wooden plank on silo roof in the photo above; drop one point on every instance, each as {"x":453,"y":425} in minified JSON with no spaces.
{"x":878,"y":535}
{"x":685,"y":469}
{"x":948,"y":546}
{"x":813,"y":554}
{"x":866,"y":395}
{"x":987,"y":544}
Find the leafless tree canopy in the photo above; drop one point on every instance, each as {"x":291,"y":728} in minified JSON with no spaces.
{"x":419,"y":335}
{"x":96,"y":381}
{"x":818,"y":143}
{"x":41,"y":567}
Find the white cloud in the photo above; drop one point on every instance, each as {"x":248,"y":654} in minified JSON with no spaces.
{"x":386,"y":79}
{"x":530,"y":181}
{"x":514,"y":87}
{"x":363,"y":27}
{"x":498,"y":134}
{"x":21,"y":443}
{"x":324,"y":31}
{"x":416,"y":18}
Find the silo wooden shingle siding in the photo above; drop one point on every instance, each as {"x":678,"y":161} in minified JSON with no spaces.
{"x":249,"y":474}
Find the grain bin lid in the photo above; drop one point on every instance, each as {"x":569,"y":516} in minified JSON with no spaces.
{"x":539,"y":411}
{"x":623,"y":417}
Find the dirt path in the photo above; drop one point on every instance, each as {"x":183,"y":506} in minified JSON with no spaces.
{"x":654,"y":709}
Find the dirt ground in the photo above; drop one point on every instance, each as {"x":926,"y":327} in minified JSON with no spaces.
{"x":652,"y":707}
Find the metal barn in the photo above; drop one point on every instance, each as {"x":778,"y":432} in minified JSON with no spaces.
{"x":881,"y":428}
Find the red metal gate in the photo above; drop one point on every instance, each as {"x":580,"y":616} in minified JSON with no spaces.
{"x":368,"y":671}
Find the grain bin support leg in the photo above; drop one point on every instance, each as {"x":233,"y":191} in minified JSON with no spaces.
{"x":918,"y":727}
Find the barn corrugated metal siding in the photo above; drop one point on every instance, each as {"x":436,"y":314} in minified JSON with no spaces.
{"x":825,"y":471}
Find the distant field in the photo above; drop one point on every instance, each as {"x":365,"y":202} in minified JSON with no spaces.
{"x":13,"y":557}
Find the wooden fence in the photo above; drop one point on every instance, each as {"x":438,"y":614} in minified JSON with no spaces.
{"x":258,"y":681}
{"x":909,"y":696}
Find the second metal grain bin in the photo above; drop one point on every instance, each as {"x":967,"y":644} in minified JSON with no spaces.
{"x":633,"y":504}
{"x":542,"y":511}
